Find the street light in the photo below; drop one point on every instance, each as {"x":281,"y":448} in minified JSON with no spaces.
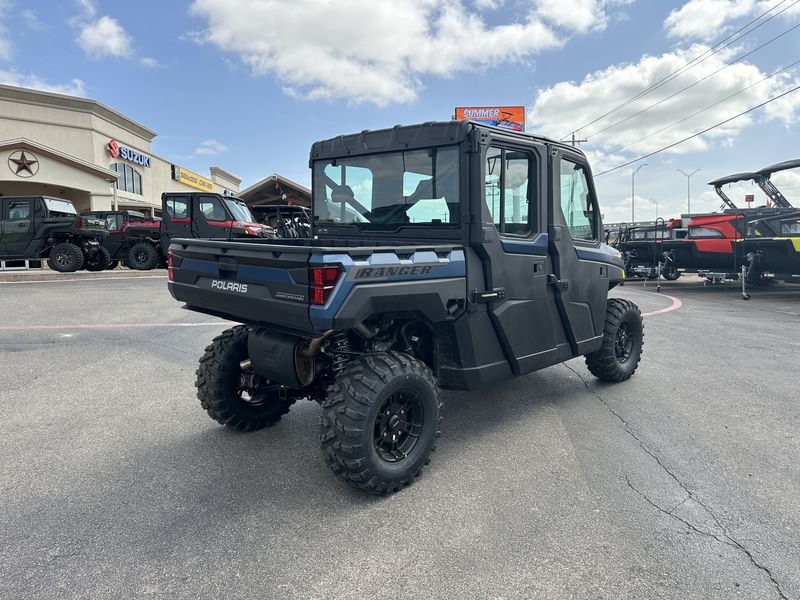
{"x":633,"y":195}
{"x":688,"y":188}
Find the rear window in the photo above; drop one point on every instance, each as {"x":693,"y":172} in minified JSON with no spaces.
{"x":59,"y":206}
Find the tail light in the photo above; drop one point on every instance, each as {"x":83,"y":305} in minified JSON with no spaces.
{"x":169,"y":265}
{"x":322,"y":280}
{"x":78,"y":222}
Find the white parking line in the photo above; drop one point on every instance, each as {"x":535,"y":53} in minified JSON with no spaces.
{"x":84,"y":279}
{"x":106,"y":326}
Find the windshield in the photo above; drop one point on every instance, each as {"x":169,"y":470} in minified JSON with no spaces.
{"x":239,"y":211}
{"x":385,"y":191}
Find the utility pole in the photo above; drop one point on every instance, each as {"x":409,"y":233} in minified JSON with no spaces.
{"x":575,"y":142}
{"x":688,"y":188}
{"x":633,"y":192}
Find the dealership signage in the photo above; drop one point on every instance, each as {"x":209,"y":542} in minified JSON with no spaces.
{"x":194,"y":180}
{"x":117,"y":151}
{"x":508,"y":117}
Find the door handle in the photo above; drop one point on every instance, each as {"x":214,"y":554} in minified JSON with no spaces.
{"x":553,"y":280}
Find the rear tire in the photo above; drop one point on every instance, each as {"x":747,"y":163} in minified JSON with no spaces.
{"x":98,"y":261}
{"x":229,"y":395}
{"x":381,"y":422}
{"x":65,"y":257}
{"x":671,"y":275}
{"x":623,"y":339}
{"x":142,"y":256}
{"x":112,"y":265}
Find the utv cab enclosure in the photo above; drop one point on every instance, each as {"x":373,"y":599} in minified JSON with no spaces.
{"x":43,"y":227}
{"x":141,"y":242}
{"x":445,"y":255}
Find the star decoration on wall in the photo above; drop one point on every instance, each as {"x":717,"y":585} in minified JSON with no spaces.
{"x":22,"y":163}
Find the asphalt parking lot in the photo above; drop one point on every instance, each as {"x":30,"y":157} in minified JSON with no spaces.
{"x":683,"y":482}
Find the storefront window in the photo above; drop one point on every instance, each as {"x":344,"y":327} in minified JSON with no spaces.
{"x":129,"y":180}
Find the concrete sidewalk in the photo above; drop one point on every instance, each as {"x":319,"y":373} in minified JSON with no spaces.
{"x":46,"y":274}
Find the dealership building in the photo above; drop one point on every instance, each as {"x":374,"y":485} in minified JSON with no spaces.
{"x":88,"y":153}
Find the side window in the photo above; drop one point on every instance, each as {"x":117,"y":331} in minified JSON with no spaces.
{"x":577,"y":204}
{"x":19,"y":210}
{"x":705,"y":232}
{"x":507,"y":190}
{"x":177,"y":208}
{"x":356,"y":187}
{"x":212,"y":208}
{"x":113,"y":222}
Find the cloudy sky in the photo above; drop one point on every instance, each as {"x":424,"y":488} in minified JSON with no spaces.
{"x":249,"y":84}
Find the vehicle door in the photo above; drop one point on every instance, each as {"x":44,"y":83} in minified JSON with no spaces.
{"x":210,"y":218}
{"x":176,"y":221}
{"x":18,"y":226}
{"x":580,"y":261}
{"x":116,"y":232}
{"x":514,"y":245}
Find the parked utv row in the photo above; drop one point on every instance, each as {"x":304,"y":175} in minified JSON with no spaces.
{"x":141,"y":242}
{"x":40,"y":227}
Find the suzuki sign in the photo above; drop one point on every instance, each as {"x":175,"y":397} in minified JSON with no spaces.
{"x":117,"y":151}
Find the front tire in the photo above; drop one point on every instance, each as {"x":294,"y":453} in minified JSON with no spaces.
{"x":65,"y":258}
{"x":623,"y":339}
{"x":142,"y":256}
{"x":98,"y":261}
{"x":233,"y":397}
{"x":381,"y":422}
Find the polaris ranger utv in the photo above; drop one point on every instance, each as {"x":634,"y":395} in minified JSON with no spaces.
{"x":445,"y":255}
{"x":42,"y":227}
{"x":141,"y":242}
{"x":125,"y":228}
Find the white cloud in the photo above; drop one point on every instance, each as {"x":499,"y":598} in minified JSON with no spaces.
{"x":489,"y":4}
{"x":149,"y":61}
{"x":210,"y":148}
{"x":104,"y":37}
{"x":706,"y":19}
{"x":32,"y":20}
{"x":6,"y":45}
{"x":367,"y":51}
{"x":580,"y":16}
{"x":87,"y":8}
{"x":75,"y":87}
{"x":566,"y":105}
{"x":703,"y":19}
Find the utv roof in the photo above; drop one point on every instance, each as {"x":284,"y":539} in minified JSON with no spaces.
{"x":781,"y":166}
{"x":733,"y":178}
{"x":408,"y":137}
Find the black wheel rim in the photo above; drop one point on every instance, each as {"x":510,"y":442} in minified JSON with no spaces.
{"x":64,"y":258}
{"x":140,"y":256}
{"x":623,"y":344}
{"x":398,"y":426}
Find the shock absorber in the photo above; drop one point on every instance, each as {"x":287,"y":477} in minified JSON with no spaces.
{"x":339,"y":351}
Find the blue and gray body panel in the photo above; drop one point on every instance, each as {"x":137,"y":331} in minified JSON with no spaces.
{"x":386,"y":281}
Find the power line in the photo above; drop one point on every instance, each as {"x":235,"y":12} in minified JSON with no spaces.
{"x":752,"y":85}
{"x":691,"y":85}
{"x":699,"y":133}
{"x":718,"y":47}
